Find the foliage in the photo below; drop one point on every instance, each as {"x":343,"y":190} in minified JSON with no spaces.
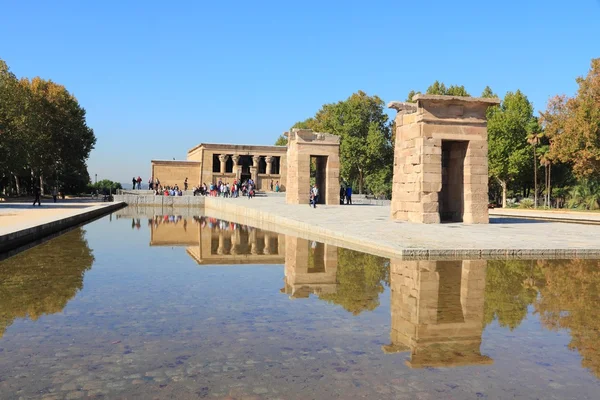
{"x":361,"y":278}
{"x":365,"y":137}
{"x":104,"y":185}
{"x":573,"y":125}
{"x":526,"y":203}
{"x":440,"y":88}
{"x":585,"y":195}
{"x":281,"y":140}
{"x":43,"y":132}
{"x":489,"y":93}
{"x":43,"y":279}
{"x":508,"y":126}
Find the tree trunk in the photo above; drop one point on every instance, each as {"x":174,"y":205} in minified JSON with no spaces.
{"x":360,"y":182}
{"x":503,"y":185}
{"x":41,"y":185}
{"x":535,"y":192}
{"x":549,"y":185}
{"x":17,"y":185}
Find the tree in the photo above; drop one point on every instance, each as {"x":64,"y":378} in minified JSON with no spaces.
{"x":534,"y":138}
{"x":410,"y":96}
{"x":573,"y":126}
{"x":439,"y":88}
{"x":365,"y":137}
{"x":43,"y":133}
{"x":281,"y":141}
{"x":489,"y":93}
{"x":508,"y":126}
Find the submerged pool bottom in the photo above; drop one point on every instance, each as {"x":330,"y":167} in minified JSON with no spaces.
{"x":176,"y":307}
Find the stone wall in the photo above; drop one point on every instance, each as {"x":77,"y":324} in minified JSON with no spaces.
{"x":171,"y":173}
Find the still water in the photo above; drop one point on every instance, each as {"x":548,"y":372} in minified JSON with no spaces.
{"x":192,"y":307}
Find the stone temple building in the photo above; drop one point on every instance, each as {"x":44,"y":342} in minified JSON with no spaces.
{"x":209,"y":162}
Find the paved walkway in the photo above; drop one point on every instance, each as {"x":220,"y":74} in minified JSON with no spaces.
{"x":369,"y":228}
{"x":17,"y":216}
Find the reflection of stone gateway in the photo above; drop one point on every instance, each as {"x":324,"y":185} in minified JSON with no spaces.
{"x":437,"y":312}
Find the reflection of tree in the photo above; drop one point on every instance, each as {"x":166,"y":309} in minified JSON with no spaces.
{"x":43,"y":279}
{"x":509,"y":289}
{"x":569,"y":300}
{"x":361,"y":278}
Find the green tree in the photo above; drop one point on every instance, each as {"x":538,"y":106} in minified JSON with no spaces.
{"x":439,"y":88}
{"x":410,"y":96}
{"x":508,"y":126}
{"x":365,"y":137}
{"x":281,"y":140}
{"x":489,"y":93}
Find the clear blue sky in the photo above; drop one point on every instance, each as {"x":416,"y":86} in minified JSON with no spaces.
{"x":159,"y":77}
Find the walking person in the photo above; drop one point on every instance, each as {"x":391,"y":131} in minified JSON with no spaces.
{"x":349,"y":195}
{"x":314,"y":192}
{"x":185,"y":185}
{"x":133,"y":183}
{"x":37,"y":193}
{"x":342,"y":194}
{"x":271,"y":185}
{"x":139,"y":182}
{"x":150,"y":183}
{"x":54,"y":194}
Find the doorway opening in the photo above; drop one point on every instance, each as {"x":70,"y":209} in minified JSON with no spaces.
{"x":318,"y":175}
{"x":451,"y":200}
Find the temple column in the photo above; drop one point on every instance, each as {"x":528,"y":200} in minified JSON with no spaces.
{"x":254,"y":169}
{"x":223,"y":159}
{"x":269,"y":160}
{"x":235,"y":158}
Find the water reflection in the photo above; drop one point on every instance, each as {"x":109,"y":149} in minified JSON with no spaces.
{"x":150,"y":323}
{"x":44,"y":278}
{"x":439,"y":309}
{"x":437,"y":312}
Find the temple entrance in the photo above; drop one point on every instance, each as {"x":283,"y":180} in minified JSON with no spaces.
{"x":451,"y":200}
{"x":318,"y":174}
{"x":244,"y":166}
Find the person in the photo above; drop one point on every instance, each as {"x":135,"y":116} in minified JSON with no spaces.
{"x":139,"y":182}
{"x":250,"y":191}
{"x":185,"y":185}
{"x":157,"y":184}
{"x":349,"y":195}
{"x":277,"y":186}
{"x":150,"y":183}
{"x":133,"y":183}
{"x":271,"y":185}
{"x":37,"y":193}
{"x":54,"y":194}
{"x":342,"y":194}
{"x":314,"y":196}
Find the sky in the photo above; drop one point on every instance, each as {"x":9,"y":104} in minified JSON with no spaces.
{"x":157,"y":78}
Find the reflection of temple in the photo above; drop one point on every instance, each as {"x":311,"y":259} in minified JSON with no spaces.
{"x":310,"y":267}
{"x":211,"y":241}
{"x":437,"y":312}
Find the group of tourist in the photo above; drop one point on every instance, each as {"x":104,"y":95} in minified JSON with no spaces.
{"x":136,"y":183}
{"x":227,"y":190}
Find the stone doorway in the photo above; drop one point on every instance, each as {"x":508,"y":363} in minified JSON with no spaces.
{"x":452,"y":203}
{"x":320,"y":176}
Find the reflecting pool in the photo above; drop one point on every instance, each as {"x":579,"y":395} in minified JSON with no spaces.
{"x":194,"y":307}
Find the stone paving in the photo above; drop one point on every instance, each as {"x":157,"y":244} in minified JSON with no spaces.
{"x":17,"y":216}
{"x":370,"y":229}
